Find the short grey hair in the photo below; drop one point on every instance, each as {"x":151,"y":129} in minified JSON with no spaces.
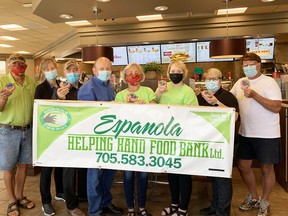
{"x":213,"y":71}
{"x":126,"y":69}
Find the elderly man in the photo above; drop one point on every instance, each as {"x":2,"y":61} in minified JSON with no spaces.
{"x":16,"y":104}
{"x":99,"y":181}
{"x":259,"y":99}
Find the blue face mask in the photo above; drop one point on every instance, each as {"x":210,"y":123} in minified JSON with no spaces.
{"x":212,"y":85}
{"x":104,"y":75}
{"x":51,"y":75}
{"x":250,"y":71}
{"x":73,"y":77}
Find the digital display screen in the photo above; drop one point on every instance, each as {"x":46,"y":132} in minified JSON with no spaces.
{"x":182,"y":51}
{"x":120,"y":56}
{"x":144,"y":54}
{"x":203,"y":53}
{"x":264,"y":47}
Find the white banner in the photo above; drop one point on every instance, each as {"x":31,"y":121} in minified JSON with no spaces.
{"x":152,"y":138}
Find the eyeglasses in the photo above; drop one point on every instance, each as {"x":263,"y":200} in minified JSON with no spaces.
{"x":17,"y":58}
{"x":209,"y":79}
{"x":249,"y":65}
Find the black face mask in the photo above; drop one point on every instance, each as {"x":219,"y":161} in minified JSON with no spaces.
{"x":176,"y":78}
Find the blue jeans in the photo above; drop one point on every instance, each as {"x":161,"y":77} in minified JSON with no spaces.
{"x":128,"y":178}
{"x":222,"y":195}
{"x":99,"y":183}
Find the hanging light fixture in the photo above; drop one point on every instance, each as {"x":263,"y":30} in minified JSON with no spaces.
{"x":229,"y":47}
{"x":91,"y":53}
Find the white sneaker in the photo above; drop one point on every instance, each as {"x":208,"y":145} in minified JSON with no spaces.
{"x":249,"y":203}
{"x":264,"y":209}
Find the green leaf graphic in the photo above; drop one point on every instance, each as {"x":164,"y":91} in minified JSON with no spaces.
{"x":219,"y":120}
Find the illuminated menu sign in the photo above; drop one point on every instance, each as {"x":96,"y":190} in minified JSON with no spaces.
{"x":144,"y":54}
{"x":203,"y":53}
{"x":264,"y":47}
{"x":181,"y":51}
{"x":120,"y":56}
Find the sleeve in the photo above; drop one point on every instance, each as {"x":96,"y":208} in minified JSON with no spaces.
{"x":120,"y":97}
{"x":190,"y":98}
{"x":273,"y":91}
{"x":38,"y":93}
{"x":151,"y":95}
{"x":86,"y":92}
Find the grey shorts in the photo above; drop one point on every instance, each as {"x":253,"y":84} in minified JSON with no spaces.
{"x":265,"y":150}
{"x":16,"y":147}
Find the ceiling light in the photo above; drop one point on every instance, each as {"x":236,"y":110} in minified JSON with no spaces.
{"x":231,"y":11}
{"x":8,"y":38}
{"x":103,"y":0}
{"x":13,"y":27}
{"x":28,"y":5}
{"x":66,"y":16}
{"x":23,"y":52}
{"x":267,"y":0}
{"x":79,"y":23}
{"x":150,"y":17}
{"x":5,"y":45}
{"x":161,"y":8}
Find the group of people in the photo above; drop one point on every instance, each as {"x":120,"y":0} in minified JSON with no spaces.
{"x":257,"y":105}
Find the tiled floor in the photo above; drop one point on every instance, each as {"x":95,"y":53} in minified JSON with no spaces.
{"x":158,"y":196}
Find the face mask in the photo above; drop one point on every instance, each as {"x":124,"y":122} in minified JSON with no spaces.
{"x":73,"y":77}
{"x":51,"y":75}
{"x":176,"y":78}
{"x":250,"y":71}
{"x":104,"y":75}
{"x":133,"y":79}
{"x":212,"y":85}
{"x":18,"y":70}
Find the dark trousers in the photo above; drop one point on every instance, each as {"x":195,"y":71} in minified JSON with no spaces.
{"x":82,"y":183}
{"x":69,"y":186}
{"x":180,"y":189}
{"x":222,"y":195}
{"x":45,"y":183}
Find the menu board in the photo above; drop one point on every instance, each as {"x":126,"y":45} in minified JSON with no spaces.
{"x":144,"y":54}
{"x":264,"y":47}
{"x":182,"y":51}
{"x":203,"y":53}
{"x":120,"y":56}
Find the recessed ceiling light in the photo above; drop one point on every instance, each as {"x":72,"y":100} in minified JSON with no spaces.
{"x":5,"y":45}
{"x":150,"y":17}
{"x":8,"y":38}
{"x":28,"y":5}
{"x":23,"y":52}
{"x":161,"y":8}
{"x":103,"y":0}
{"x":13,"y":27}
{"x":79,"y":23}
{"x":66,"y":16}
{"x":267,"y":0}
{"x":231,"y":11}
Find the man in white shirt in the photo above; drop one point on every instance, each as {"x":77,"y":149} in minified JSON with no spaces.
{"x":259,"y":99}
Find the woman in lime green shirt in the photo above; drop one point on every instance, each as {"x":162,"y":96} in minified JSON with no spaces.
{"x":133,"y":76}
{"x":176,"y":92}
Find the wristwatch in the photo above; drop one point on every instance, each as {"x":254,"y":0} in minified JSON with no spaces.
{"x":217,"y":103}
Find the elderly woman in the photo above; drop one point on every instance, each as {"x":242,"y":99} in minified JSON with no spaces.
{"x":176,"y":92}
{"x":133,"y":76}
{"x":45,"y":90}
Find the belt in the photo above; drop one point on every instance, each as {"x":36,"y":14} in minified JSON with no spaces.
{"x":14,"y":127}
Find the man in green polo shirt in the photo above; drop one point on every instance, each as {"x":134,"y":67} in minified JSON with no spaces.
{"x":16,"y":105}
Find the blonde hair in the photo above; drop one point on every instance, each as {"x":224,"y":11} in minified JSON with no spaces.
{"x":179,"y":64}
{"x":45,"y":62}
{"x":126,"y":69}
{"x":213,"y":71}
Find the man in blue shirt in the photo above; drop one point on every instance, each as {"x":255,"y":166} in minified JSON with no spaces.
{"x":99,"y":181}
